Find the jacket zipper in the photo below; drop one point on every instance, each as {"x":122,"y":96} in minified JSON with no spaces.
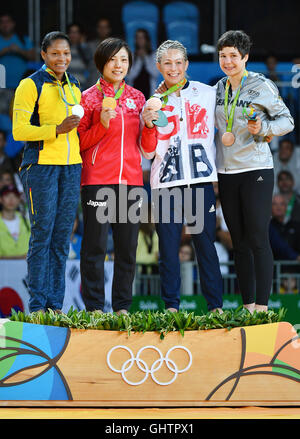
{"x":94,"y":155}
{"x":122,"y":146}
{"x":68,"y":141}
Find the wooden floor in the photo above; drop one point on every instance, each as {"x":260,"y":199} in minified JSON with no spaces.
{"x":152,"y":413}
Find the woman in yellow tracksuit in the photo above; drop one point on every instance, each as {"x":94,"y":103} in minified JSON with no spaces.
{"x":51,"y":168}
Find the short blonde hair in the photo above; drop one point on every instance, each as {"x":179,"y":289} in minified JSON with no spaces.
{"x":170,"y":44}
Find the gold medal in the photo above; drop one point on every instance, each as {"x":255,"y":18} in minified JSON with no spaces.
{"x":109,"y":103}
{"x":228,"y":139}
{"x":154,"y":103}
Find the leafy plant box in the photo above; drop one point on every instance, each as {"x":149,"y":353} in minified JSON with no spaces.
{"x":55,"y":365}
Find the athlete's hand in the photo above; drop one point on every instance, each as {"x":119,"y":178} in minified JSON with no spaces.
{"x":68,"y":124}
{"x":254,"y":126}
{"x":106,"y":115}
{"x":148,"y":116}
{"x":161,"y":88}
{"x":268,"y":139}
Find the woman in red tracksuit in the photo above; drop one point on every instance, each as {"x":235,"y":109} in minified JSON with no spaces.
{"x":109,"y":145}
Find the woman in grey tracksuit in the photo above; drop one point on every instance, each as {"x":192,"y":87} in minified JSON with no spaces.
{"x":245,"y":164}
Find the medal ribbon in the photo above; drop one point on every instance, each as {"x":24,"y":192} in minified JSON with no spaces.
{"x":289,"y":209}
{"x":118,"y":93}
{"x":229,"y":120}
{"x":170,"y":90}
{"x":60,"y":88}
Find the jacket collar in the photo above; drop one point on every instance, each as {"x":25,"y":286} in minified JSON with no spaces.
{"x":107,"y":87}
{"x":51,"y":78}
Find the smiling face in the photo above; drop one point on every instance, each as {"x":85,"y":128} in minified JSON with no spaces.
{"x":116,"y":67}
{"x":231,"y":62}
{"x":57,"y":57}
{"x":172,"y":66}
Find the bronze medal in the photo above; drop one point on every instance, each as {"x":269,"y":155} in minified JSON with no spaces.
{"x":228,"y":139}
{"x":154,"y":103}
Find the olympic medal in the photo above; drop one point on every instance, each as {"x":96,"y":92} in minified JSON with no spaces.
{"x":109,"y":103}
{"x":162,"y":120}
{"x":154,"y":103}
{"x":78,"y":110}
{"x":228,"y":139}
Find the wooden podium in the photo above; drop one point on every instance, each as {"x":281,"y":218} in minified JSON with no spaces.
{"x":55,"y":366}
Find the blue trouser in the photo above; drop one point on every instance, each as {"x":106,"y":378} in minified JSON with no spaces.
{"x":52,"y":193}
{"x":169,"y":233}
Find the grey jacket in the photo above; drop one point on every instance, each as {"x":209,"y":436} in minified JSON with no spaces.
{"x":250,"y":151}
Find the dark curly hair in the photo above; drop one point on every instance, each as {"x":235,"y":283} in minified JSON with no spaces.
{"x":235,"y":38}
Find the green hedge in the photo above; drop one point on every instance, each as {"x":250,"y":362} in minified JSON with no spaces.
{"x":156,"y":321}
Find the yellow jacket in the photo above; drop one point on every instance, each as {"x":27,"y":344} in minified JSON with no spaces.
{"x":38,"y":109}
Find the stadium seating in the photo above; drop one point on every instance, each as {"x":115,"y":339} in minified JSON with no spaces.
{"x":5,"y":123}
{"x":181,"y":20}
{"x":140,"y":15}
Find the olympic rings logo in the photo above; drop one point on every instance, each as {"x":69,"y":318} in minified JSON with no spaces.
{"x":143,"y":366}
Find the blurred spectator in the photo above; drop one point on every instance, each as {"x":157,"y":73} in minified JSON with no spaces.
{"x":12,"y":150}
{"x":288,"y":286}
{"x":75,"y":241}
{"x":103,"y":31}
{"x":15,"y":51}
{"x":146,"y":166}
{"x":186,"y":252}
{"x":110,"y":252}
{"x":143,"y":73}
{"x":284,"y":236}
{"x":14,"y":228}
{"x":271,"y":63}
{"x":188,"y":270}
{"x":81,"y":54}
{"x":5,"y":162}
{"x":287,"y":159}
{"x":223,"y":257}
{"x":285,"y":243}
{"x":147,"y":247}
{"x":6,"y":178}
{"x":285,"y":183}
{"x":222,"y":232}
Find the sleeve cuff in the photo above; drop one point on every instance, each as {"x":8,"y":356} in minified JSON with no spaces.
{"x":264,"y":129}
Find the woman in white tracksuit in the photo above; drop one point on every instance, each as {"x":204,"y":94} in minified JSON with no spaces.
{"x":184,"y":160}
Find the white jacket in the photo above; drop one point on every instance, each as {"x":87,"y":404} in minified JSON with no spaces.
{"x":184,"y":150}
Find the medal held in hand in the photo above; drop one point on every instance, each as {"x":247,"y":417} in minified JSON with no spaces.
{"x":77,"y":109}
{"x":109,"y":103}
{"x":228,"y":137}
{"x":155,"y":103}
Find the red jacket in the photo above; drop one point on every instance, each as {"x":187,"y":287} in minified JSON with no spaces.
{"x":111,"y":156}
